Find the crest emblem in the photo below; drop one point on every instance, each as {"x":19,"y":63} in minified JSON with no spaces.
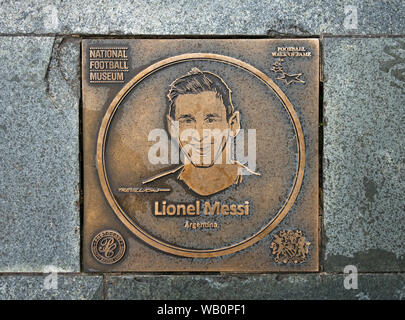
{"x":108,"y":247}
{"x":290,"y":247}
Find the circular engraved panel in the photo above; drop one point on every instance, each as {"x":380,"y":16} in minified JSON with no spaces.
{"x":185,"y":208}
{"x":108,"y":247}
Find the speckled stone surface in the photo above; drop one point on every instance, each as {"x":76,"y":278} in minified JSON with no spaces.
{"x":39,"y":147}
{"x":232,"y":17}
{"x":161,"y":17}
{"x":259,"y":287}
{"x":44,"y":287}
{"x":364,"y":166}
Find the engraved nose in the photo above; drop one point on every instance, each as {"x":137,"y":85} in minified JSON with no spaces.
{"x":200,"y":132}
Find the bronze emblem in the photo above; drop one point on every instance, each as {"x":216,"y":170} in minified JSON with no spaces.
{"x":108,"y":247}
{"x":198,"y":152}
{"x":287,"y":78}
{"x":290,"y":247}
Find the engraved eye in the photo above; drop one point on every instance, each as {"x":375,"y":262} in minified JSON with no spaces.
{"x":187,"y":120}
{"x":211,"y":118}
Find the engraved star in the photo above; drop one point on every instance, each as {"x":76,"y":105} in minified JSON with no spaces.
{"x":277,"y":69}
{"x":291,"y":78}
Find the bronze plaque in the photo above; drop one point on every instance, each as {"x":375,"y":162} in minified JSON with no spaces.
{"x":200,"y":155}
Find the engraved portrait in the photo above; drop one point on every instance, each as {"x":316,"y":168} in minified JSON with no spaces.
{"x":203,"y":121}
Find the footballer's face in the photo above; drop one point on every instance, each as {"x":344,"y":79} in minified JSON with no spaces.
{"x":203,"y":128}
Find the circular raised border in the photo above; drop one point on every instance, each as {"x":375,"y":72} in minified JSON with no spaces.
{"x":159,"y":244}
{"x":108,"y":233}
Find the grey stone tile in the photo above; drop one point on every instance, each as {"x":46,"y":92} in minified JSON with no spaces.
{"x":259,"y":287}
{"x":161,"y":17}
{"x":364,"y":166}
{"x":201,"y":17}
{"x":51,"y":287}
{"x":39,"y":147}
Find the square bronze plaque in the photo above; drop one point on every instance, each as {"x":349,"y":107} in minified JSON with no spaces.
{"x":200,"y":155}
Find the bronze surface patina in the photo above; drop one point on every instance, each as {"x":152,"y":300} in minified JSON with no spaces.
{"x":202,"y":155}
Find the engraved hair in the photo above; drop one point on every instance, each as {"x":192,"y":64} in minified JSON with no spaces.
{"x":197,"y":81}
